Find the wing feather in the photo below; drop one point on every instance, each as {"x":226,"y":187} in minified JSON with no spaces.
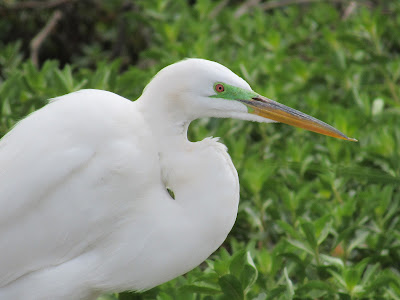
{"x":59,"y":168}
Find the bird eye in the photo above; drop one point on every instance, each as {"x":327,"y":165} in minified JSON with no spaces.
{"x":219,"y":88}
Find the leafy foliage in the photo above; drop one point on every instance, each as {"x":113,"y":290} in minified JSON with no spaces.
{"x":319,"y":217}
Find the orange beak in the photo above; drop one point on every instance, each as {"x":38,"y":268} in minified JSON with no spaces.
{"x":275,"y":111}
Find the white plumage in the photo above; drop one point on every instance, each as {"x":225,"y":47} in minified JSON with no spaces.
{"x":84,"y":207}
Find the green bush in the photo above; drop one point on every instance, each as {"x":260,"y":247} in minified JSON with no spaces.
{"x":319,"y":217}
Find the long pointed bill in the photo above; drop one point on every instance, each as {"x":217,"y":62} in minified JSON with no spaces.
{"x":272,"y":110}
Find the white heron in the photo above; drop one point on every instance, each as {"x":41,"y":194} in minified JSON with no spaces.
{"x":84,"y":206}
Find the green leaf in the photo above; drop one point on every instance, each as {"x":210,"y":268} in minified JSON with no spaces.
{"x":242,"y":266}
{"x":316,"y":285}
{"x":323,"y":227}
{"x":289,"y":284}
{"x":250,"y":273}
{"x":288,"y":229}
{"x":108,"y":297}
{"x":338,"y":278}
{"x":308,"y":229}
{"x":301,"y":245}
{"x":331,"y":261}
{"x":351,"y":277}
{"x":231,"y":287}
{"x":202,"y":288}
{"x":276,"y":293}
{"x":237,"y":263}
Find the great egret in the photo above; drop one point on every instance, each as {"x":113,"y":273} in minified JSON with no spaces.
{"x":84,"y":206}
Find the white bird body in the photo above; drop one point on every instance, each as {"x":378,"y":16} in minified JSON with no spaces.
{"x":84,"y":206}
{"x":114,"y":159}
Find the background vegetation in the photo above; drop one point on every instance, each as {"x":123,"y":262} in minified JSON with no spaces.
{"x":319,"y":218}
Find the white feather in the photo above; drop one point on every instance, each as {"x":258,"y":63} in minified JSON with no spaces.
{"x":84,"y":207}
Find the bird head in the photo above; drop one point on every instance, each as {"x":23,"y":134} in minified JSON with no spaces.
{"x":195,"y":88}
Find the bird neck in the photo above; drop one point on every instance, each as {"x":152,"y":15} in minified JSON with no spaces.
{"x":200,"y":174}
{"x":165,"y":121}
{"x":206,"y":189}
